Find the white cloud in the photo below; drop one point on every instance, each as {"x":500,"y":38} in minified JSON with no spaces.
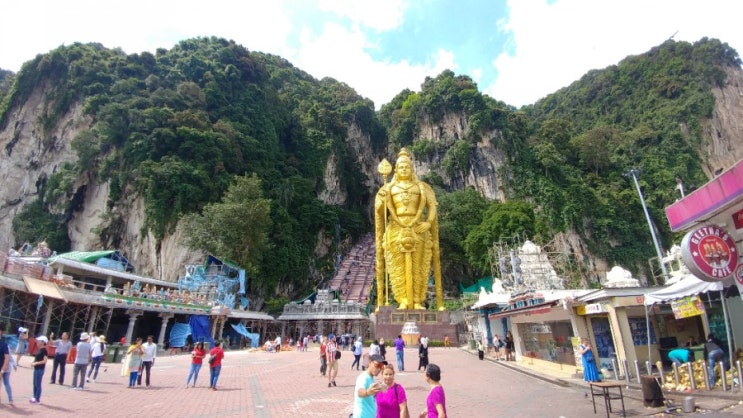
{"x":380,"y":81}
{"x":379,"y":15}
{"x":555,"y":44}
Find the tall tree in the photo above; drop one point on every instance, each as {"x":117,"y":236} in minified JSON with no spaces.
{"x":235,"y":228}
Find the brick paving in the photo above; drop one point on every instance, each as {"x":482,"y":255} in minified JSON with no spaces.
{"x":288,"y":384}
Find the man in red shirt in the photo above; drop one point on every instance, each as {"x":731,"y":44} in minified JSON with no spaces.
{"x":323,"y":362}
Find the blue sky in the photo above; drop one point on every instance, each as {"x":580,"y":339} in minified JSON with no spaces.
{"x":517,"y":51}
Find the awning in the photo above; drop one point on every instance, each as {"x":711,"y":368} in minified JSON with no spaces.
{"x":43,"y":288}
{"x":530,"y":310}
{"x":688,"y":286}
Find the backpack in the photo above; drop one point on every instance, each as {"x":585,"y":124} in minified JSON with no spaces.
{"x":337,"y":354}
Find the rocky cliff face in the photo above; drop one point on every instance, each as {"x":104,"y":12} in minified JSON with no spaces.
{"x":723,"y":145}
{"x":484,"y":161}
{"x":30,"y":156}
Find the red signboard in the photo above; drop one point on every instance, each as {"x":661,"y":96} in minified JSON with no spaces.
{"x":738,"y":219}
{"x":709,"y":252}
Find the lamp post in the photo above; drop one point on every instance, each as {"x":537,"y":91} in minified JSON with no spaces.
{"x":634,"y":173}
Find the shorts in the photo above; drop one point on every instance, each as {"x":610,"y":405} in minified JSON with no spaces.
{"x":22,"y":347}
{"x":333,"y":365}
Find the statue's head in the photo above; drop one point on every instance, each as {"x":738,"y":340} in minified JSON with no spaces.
{"x":404,"y":165}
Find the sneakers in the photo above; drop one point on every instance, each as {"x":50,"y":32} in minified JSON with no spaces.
{"x":33,"y":400}
{"x":333,"y":383}
{"x":330,"y":385}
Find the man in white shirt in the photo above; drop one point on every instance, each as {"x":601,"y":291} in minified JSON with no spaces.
{"x":277,"y":343}
{"x":148,"y":360}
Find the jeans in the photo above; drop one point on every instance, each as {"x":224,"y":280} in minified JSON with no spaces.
{"x":79,"y":370}
{"x":400,"y":360}
{"x":60,"y":361}
{"x":356,"y":361}
{"x":133,"y":378}
{"x":38,"y":375}
{"x":6,"y":382}
{"x":95,"y":364}
{"x":713,"y":357}
{"x":146,"y":366}
{"x":323,"y":365}
{"x":195,"y":367}
{"x":214,"y":376}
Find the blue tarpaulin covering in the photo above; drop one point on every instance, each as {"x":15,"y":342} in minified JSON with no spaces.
{"x":178,"y":334}
{"x":254,"y":337}
{"x":200,"y":329}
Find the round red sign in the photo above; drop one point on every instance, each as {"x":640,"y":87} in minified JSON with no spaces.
{"x":709,"y":252}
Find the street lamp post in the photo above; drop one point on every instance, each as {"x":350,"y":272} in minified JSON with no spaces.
{"x":634,"y":173}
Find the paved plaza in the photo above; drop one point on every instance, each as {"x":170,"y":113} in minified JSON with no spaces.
{"x":288,"y":384}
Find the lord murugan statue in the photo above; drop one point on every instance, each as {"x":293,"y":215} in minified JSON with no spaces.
{"x":407,"y":237}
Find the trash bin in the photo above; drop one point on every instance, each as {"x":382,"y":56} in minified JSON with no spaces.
{"x":652,"y":394}
{"x":113,"y":353}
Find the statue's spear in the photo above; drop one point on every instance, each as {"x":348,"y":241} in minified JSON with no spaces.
{"x":384,"y":168}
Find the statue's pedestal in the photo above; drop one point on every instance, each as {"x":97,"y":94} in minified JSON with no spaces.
{"x":391,"y":322}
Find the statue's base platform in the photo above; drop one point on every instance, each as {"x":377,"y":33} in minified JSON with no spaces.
{"x":432,"y":324}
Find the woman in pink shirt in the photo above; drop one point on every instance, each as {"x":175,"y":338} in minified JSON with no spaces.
{"x":391,"y":403}
{"x":436,"y":400}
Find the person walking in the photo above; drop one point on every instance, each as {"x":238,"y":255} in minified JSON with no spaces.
{"x":5,"y":364}
{"x":392,"y":402}
{"x":323,"y":360}
{"x":590,"y":370}
{"x":510,"y":347}
{"x":423,"y":354}
{"x":382,"y":348}
{"x":399,"y":344}
{"x":83,"y":351}
{"x":436,"y":399}
{"x":62,"y":347}
{"x":447,"y":342}
{"x":216,"y":355}
{"x":332,"y":355}
{"x":134,"y":361}
{"x":713,"y":352}
{"x":365,"y":390}
{"x":39,"y":364}
{"x":99,"y":349}
{"x":22,"y":347}
{"x":148,"y":360}
{"x":197,"y":358}
{"x":358,"y":349}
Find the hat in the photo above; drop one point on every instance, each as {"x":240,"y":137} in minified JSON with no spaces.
{"x":42,"y":339}
{"x":331,"y":336}
{"x":102,"y":338}
{"x":84,"y":336}
{"x":378,"y":359}
{"x":22,"y":330}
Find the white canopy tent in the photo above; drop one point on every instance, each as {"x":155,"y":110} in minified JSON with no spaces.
{"x":689,"y":286}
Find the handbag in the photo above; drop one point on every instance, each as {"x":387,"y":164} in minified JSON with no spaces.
{"x":212,"y":359}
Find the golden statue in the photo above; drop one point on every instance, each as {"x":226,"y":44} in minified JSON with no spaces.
{"x":407,"y":236}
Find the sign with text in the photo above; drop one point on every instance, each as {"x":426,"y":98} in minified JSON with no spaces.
{"x":710,"y":253}
{"x":687,"y":307}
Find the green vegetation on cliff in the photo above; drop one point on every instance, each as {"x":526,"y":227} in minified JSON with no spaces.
{"x":186,"y":127}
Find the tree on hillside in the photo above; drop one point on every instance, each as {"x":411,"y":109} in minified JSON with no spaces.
{"x":235,"y":228}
